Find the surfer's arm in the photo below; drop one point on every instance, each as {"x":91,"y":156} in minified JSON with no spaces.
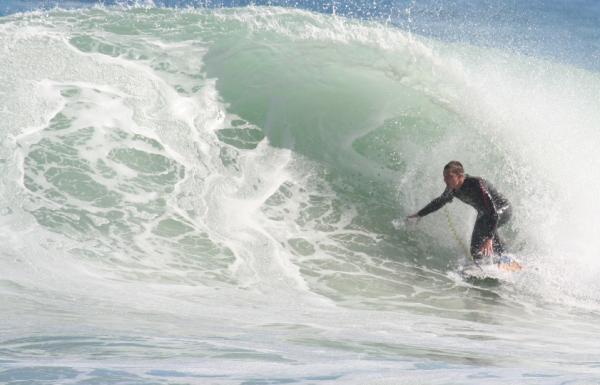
{"x":435,"y":204}
{"x":490,"y":208}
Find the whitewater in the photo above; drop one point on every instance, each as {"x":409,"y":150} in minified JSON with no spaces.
{"x":207,"y":196}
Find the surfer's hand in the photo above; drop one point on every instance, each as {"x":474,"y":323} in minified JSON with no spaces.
{"x":412,"y":219}
{"x":488,"y":247}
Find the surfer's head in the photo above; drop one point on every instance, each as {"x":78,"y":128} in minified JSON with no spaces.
{"x":454,"y":175}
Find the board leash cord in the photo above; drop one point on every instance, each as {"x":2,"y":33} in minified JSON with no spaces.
{"x":457,"y":238}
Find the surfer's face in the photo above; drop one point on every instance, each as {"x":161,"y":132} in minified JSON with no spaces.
{"x":453,"y":181}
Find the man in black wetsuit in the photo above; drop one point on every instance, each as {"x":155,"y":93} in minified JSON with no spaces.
{"x":493,"y":210}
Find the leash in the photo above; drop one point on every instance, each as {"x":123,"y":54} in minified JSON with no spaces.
{"x":458,"y":239}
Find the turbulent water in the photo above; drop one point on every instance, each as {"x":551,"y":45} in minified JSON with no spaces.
{"x":206,"y":196}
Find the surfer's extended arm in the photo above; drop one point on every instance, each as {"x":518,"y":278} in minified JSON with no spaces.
{"x":436,"y":204}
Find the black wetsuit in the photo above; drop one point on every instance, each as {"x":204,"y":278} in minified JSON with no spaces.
{"x":493,"y":210}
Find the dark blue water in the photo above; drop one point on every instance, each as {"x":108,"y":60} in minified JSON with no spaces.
{"x":559,"y":30}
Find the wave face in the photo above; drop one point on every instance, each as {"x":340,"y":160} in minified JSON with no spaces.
{"x":207,"y":196}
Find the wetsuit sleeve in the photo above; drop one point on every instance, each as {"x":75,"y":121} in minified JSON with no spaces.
{"x":490,"y":208}
{"x":437,"y":203}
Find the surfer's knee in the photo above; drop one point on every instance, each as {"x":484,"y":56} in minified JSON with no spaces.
{"x":505,"y":214}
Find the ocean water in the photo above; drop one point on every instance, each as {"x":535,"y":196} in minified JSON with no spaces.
{"x":203,"y":192}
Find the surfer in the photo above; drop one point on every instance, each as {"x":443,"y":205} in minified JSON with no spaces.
{"x":493,"y":210}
